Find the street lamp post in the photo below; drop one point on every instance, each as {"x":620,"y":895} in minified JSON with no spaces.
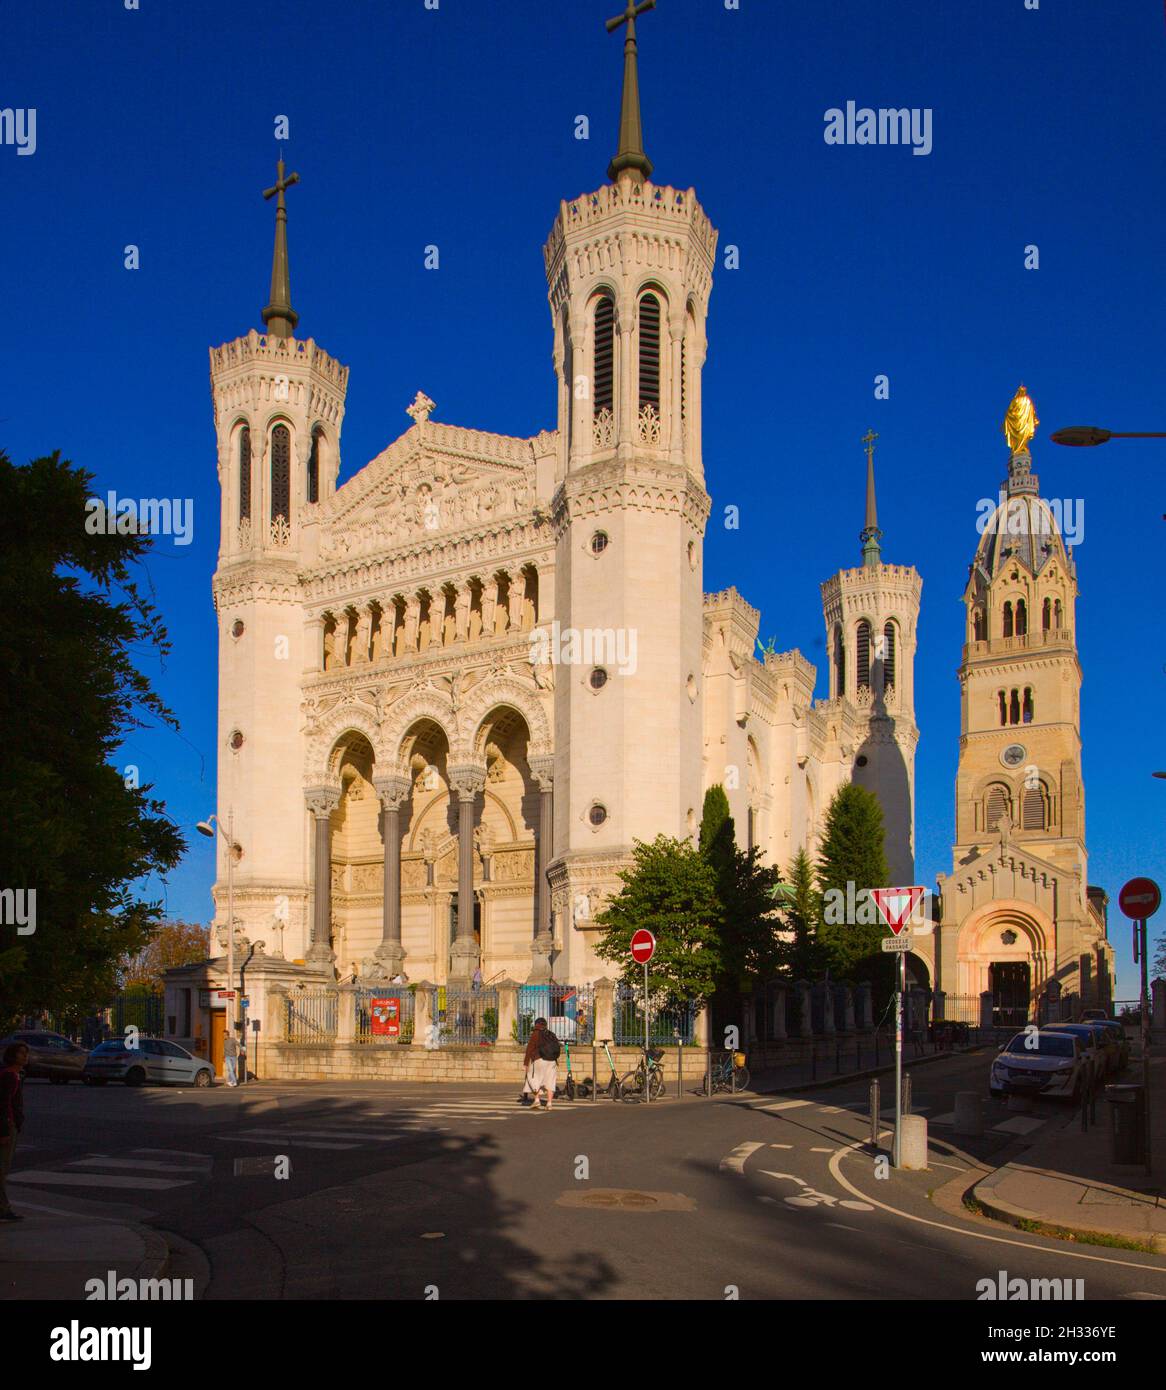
{"x":1088,"y":436}
{"x":208,"y":827}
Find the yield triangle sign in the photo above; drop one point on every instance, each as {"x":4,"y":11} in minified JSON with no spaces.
{"x":896,"y":905}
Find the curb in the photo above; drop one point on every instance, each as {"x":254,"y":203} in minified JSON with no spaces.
{"x":846,"y":1077}
{"x":1000,"y":1210}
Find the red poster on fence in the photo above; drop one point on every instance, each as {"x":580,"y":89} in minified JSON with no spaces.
{"x":386,"y":1017}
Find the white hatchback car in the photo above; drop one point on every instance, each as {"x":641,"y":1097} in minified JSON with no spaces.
{"x":1040,"y":1062}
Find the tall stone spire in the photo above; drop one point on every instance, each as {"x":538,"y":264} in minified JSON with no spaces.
{"x":871,"y":535}
{"x":630,"y":156}
{"x":279,"y":317}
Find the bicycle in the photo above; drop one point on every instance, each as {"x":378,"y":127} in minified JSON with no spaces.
{"x":632,"y":1083}
{"x":729,"y":1075}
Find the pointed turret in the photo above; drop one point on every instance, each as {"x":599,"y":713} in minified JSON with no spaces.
{"x":871,"y":535}
{"x":279,"y":317}
{"x":630,"y":156}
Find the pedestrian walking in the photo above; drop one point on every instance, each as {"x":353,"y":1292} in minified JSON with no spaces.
{"x":476,"y":978}
{"x":541,"y":1060}
{"x":231,"y":1058}
{"x":11,"y":1118}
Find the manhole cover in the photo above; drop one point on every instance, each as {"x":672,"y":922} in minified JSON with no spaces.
{"x":626,"y":1199}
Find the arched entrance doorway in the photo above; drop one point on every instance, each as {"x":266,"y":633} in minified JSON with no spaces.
{"x":1010,"y":982}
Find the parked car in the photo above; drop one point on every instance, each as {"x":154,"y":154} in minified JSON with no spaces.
{"x":154,"y":1059}
{"x":1090,"y":1015}
{"x":1040,"y":1062}
{"x":1097,"y":1044}
{"x":50,"y":1055}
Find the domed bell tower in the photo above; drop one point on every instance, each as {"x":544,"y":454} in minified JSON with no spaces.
{"x":279,"y":406}
{"x":629,"y":269}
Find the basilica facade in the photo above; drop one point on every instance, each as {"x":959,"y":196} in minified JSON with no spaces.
{"x":455,"y":689}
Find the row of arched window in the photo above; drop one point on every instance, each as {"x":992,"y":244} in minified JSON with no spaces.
{"x":280,"y":454}
{"x":1034,"y":807}
{"x":869,"y":650}
{"x":1015,"y":707}
{"x":1014,"y":619}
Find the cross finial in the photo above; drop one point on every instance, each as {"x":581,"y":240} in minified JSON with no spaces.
{"x":279,"y":317}
{"x":630,"y":156}
{"x":871,"y":552}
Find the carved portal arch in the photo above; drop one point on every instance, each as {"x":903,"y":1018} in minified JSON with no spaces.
{"x":412,"y":709}
{"x":326,"y":741}
{"x":495,"y":695}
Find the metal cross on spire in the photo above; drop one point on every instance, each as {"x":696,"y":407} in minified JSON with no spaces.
{"x":630,"y":155}
{"x":871,"y":553}
{"x":279,"y":317}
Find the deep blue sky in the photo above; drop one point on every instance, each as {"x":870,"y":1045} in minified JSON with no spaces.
{"x":456,"y":126}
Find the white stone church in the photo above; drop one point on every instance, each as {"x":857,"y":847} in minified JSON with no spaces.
{"x":455,"y":689}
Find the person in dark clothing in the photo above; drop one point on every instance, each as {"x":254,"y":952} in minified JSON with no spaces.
{"x":11,"y":1117}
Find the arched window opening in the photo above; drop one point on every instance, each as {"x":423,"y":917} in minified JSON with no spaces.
{"x":502,"y":605}
{"x":1014,"y":708}
{"x":1021,"y":618}
{"x":425,"y":634}
{"x":650,"y":352}
{"x":862,"y":680}
{"x":979,"y":626}
{"x":839,"y":662}
{"x":351,"y":624}
{"x":376,"y":628}
{"x":1057,"y":614}
{"x":603,"y":386}
{"x":999,"y":804}
{"x":328,"y":655}
{"x":1008,"y":619}
{"x":1046,"y":615}
{"x":530,"y":598}
{"x":1003,"y":708}
{"x":888,"y":656}
{"x":475,"y":609}
{"x":314,"y":466}
{"x":1033,"y":814}
{"x":1028,"y":705}
{"x":449,"y":615}
{"x":399,"y":611}
{"x":245,"y":473}
{"x":280,"y":473}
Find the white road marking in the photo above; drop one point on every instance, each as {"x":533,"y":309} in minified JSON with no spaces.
{"x":329,"y":1134}
{"x":781,"y":1146}
{"x":847,"y":1149}
{"x":177,"y":1153}
{"x":292,"y":1143}
{"x":735,"y":1161}
{"x":821,"y":1151}
{"x":784,"y":1105}
{"x":94,"y":1180}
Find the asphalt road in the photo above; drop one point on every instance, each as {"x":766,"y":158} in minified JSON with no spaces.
{"x":404,"y":1192}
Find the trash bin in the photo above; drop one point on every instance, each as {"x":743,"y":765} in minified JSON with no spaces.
{"x":1127,"y":1123}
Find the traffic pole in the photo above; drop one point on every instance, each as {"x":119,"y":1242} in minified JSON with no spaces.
{"x":1145,"y":1010}
{"x":647,"y":1076}
{"x":899,"y":1056}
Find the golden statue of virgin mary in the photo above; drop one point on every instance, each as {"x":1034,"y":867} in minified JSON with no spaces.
{"x":1020,"y":423}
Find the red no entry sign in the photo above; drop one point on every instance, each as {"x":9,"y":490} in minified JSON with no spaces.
{"x":643,"y":946}
{"x":1140,"y":898}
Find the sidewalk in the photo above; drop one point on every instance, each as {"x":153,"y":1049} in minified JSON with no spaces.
{"x":53,"y":1257}
{"x":797,"y":1076}
{"x":1068,"y":1182}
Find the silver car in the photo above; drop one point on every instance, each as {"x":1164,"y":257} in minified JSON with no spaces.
{"x":153,"y":1059}
{"x":1040,"y":1062}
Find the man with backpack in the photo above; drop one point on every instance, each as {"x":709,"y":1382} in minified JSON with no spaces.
{"x":541,"y":1061}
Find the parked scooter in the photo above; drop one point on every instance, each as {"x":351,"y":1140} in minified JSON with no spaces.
{"x":612,"y":1087}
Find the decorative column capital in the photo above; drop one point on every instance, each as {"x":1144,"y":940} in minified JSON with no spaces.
{"x":467,"y":780}
{"x":322,"y":800}
{"x":392,"y":790}
{"x":542,"y":769}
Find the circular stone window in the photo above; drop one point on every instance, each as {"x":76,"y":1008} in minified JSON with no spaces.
{"x":597,"y":815}
{"x":236,"y":740}
{"x":1008,"y":938}
{"x":598,"y":678}
{"x":599,"y":542}
{"x":237,"y":628}
{"x":860,"y":761}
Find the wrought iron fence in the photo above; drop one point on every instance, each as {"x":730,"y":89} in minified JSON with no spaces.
{"x":663,"y":1024}
{"x":465,"y":1017}
{"x":311,"y":1016}
{"x":384,"y":1016}
{"x":568,"y":1009}
{"x":146,"y":1012}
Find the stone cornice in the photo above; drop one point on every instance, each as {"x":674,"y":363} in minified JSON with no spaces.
{"x":636,"y":484}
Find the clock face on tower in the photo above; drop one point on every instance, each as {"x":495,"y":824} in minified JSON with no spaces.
{"x":1013,"y":755}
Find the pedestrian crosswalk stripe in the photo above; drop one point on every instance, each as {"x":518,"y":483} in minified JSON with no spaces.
{"x":174,"y":1153}
{"x":96,"y":1180}
{"x":282,"y":1139}
{"x":328,"y":1135}
{"x":783,"y":1105}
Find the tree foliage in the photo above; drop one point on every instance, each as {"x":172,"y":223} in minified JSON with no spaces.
{"x":851,"y":861}
{"x":804,"y":956}
{"x":172,"y":944}
{"x":71,"y":830}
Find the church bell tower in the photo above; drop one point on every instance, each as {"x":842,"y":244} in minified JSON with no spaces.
{"x":629,"y":270}
{"x":279,"y":406}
